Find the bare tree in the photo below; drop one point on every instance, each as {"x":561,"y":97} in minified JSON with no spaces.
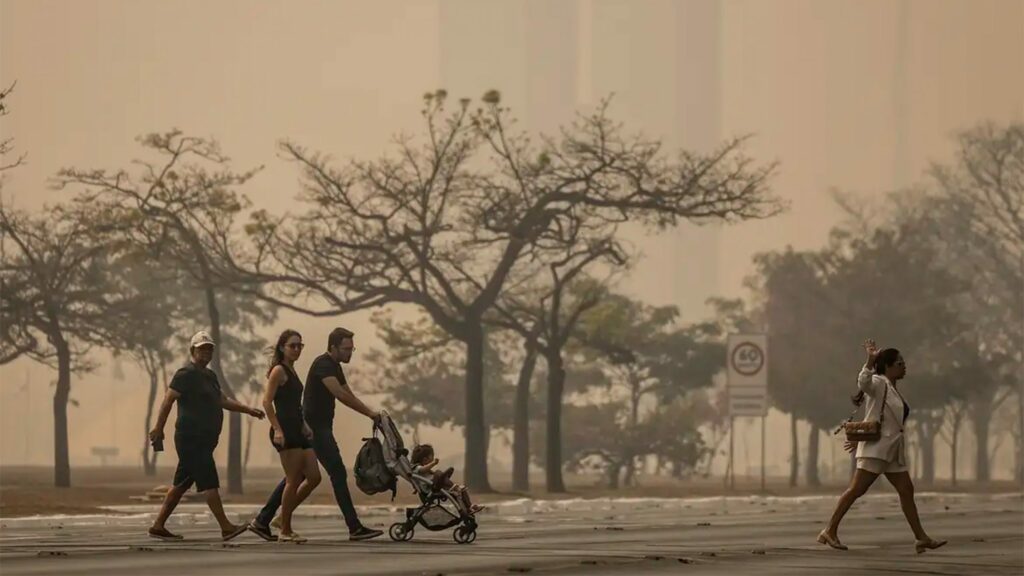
{"x":928,"y":423}
{"x":980,"y":211}
{"x":7,"y":144}
{"x":420,"y":369}
{"x":545,"y":309}
{"x":956,"y":412}
{"x":150,"y":340}
{"x":443,"y":225}
{"x":60,"y":299}
{"x":183,"y":210}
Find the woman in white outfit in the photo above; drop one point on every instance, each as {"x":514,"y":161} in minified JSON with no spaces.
{"x":887,"y":455}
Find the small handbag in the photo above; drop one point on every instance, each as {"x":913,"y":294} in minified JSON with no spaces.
{"x":864,"y":430}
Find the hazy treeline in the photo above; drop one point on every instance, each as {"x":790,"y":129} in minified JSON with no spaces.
{"x":510,"y":249}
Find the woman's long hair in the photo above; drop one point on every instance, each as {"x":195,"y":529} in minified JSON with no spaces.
{"x":277,"y":353}
{"x":885,"y":358}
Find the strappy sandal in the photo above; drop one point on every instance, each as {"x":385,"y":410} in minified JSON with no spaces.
{"x":825,"y":538}
{"x":293,"y":538}
{"x":929,"y":544}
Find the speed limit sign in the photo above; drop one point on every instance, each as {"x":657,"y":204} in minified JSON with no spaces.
{"x":747,"y":370}
{"x":747,"y":358}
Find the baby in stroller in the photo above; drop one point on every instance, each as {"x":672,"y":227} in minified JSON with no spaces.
{"x":423,"y":463}
{"x":441,"y":505}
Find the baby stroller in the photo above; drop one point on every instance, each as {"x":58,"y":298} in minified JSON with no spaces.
{"x":439,"y":508}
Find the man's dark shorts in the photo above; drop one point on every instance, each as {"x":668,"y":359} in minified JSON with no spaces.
{"x":195,"y":462}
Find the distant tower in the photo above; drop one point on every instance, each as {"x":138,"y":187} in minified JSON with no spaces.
{"x":659,"y":59}
{"x":525,"y":50}
{"x":660,"y":62}
{"x":902,"y":169}
{"x":698,"y":127}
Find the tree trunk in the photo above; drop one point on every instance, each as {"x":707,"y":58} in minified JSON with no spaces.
{"x":1018,"y":473}
{"x":677,"y":469}
{"x":914,"y":453}
{"x":926,"y":432}
{"x":811,"y":466}
{"x":476,"y":427}
{"x":148,"y":463}
{"x":556,"y":386}
{"x":794,"y":459}
{"x":521,"y":424}
{"x":981,"y":416}
{"x":635,"y":395}
{"x":630,"y":477}
{"x":234,"y":418}
{"x":613,"y":475}
{"x":953,"y":452}
{"x":248,"y":443}
{"x":61,"y":463}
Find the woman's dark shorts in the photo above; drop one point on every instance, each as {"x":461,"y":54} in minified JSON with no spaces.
{"x":293,"y":437}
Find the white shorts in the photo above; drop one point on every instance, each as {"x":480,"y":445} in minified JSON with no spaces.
{"x":879,"y":466}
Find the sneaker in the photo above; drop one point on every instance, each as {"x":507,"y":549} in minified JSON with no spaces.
{"x":231,"y":533}
{"x":276,"y":522}
{"x":164,"y":534}
{"x":363,"y":533}
{"x":293,"y":537}
{"x":262,"y":531}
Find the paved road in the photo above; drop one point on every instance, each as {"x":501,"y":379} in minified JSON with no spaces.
{"x":713,"y":536}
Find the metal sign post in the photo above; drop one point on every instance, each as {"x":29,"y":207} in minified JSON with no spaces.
{"x":762,"y":453}
{"x":732,"y":462}
{"x":747,"y":371}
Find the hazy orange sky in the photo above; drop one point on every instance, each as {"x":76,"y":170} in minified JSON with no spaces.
{"x":858,"y":95}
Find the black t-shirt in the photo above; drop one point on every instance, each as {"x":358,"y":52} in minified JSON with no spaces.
{"x":199,"y":410}
{"x":317,"y":400}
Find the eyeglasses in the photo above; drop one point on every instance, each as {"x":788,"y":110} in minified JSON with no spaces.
{"x":296,"y":345}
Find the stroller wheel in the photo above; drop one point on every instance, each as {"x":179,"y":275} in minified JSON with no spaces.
{"x":399,"y":533}
{"x":464,"y":535}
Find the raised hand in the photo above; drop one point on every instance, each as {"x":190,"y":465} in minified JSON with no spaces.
{"x":871,"y":348}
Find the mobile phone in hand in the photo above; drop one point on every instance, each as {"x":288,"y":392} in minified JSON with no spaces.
{"x":158,"y":445}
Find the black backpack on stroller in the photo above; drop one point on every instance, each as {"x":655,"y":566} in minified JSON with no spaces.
{"x":383,"y":459}
{"x":372,"y":473}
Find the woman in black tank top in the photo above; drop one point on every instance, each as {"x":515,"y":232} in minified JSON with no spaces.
{"x":289,"y":434}
{"x":288,"y":408}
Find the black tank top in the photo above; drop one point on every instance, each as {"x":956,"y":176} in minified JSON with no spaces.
{"x":288,"y":398}
{"x":906,"y":407}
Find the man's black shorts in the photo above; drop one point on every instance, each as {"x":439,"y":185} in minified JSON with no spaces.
{"x":195,"y":462}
